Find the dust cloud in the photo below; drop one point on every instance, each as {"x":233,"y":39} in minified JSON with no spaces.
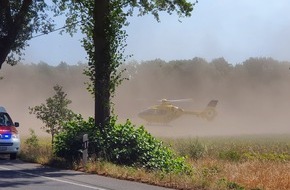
{"x":25,"y":86}
{"x":253,"y":96}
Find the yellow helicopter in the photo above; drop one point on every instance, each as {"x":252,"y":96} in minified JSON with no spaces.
{"x":165,"y":112}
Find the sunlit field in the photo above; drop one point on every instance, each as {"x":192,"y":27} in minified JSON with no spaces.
{"x":240,"y":162}
{"x":249,"y":162}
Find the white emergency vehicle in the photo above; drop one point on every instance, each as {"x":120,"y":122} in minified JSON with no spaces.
{"x":9,"y":136}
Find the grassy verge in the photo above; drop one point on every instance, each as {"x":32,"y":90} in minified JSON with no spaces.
{"x":219,"y":163}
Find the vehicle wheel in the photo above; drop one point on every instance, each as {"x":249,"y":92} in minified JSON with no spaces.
{"x":13,"y":156}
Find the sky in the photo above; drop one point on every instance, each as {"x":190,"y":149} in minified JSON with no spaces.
{"x":233,"y":29}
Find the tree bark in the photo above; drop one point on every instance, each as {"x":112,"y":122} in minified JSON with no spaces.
{"x":102,"y":63}
{"x":3,"y":52}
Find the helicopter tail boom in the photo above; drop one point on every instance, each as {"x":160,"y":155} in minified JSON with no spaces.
{"x":208,"y":113}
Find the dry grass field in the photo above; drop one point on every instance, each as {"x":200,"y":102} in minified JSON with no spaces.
{"x":249,"y":162}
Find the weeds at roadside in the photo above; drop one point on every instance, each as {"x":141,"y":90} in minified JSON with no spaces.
{"x":225,"y":184}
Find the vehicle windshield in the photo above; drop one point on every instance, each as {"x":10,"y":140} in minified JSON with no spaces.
{"x":5,"y":119}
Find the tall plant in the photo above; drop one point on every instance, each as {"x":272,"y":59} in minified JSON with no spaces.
{"x":54,"y":112}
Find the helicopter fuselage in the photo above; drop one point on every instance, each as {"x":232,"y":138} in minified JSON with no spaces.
{"x":164,"y":113}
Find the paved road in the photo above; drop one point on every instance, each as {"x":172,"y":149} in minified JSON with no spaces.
{"x":18,"y":175}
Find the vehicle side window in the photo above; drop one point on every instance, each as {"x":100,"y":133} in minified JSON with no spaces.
{"x":2,"y":120}
{"x":5,"y":120}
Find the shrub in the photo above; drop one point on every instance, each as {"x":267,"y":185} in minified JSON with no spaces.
{"x":33,"y":150}
{"x":120,"y":143}
{"x":68,"y":143}
{"x":31,"y":147}
{"x":32,"y":142}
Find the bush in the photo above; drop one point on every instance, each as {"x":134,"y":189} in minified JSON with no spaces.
{"x":32,"y":142}
{"x":31,"y":147}
{"x":33,"y":150}
{"x":68,"y":143}
{"x":120,"y":143}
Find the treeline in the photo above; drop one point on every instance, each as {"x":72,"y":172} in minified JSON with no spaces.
{"x":34,"y":82}
{"x":256,"y":81}
{"x":197,"y":76}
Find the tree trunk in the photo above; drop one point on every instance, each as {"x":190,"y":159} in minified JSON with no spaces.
{"x":5,"y":26}
{"x":3,"y":53}
{"x":102,"y":63}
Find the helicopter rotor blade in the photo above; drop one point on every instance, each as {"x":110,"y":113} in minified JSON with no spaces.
{"x":176,"y":100}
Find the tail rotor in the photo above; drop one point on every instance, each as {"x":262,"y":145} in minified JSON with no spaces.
{"x":209,"y":112}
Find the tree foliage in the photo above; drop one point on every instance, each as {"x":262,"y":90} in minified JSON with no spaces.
{"x":18,"y":21}
{"x":54,"y":112}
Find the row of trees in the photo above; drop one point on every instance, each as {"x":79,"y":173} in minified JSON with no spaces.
{"x":195,"y":72}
